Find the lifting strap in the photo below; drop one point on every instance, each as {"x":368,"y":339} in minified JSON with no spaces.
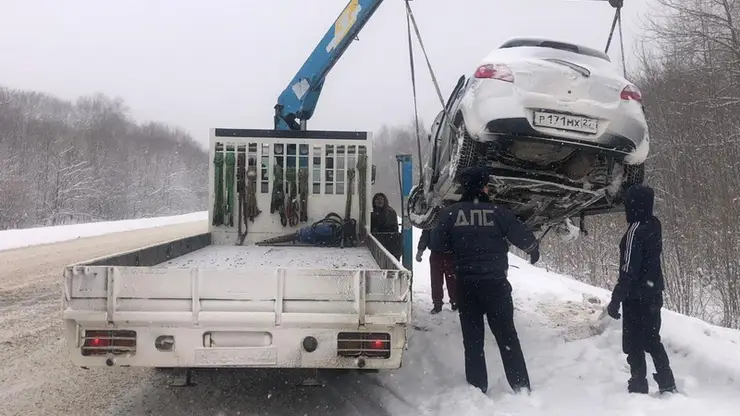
{"x":362,"y":193}
{"x":411,"y":21}
{"x":617,"y":21}
{"x":277,"y":204}
{"x":241,"y":191}
{"x":218,"y":181}
{"x":229,"y":161}
{"x":303,"y":192}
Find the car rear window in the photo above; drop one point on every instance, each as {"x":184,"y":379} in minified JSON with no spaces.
{"x":544,"y":43}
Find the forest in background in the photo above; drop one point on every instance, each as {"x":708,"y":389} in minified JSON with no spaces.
{"x":63,"y":162}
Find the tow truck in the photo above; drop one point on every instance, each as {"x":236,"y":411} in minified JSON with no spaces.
{"x":288,"y":275}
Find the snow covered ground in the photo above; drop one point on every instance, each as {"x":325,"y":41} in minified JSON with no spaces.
{"x":44,"y":235}
{"x":574,"y":358}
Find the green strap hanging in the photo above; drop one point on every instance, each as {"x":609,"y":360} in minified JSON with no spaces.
{"x":230,"y":189}
{"x":362,"y":192}
{"x":218,"y":203}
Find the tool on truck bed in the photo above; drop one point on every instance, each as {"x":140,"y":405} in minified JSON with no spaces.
{"x":331,"y":231}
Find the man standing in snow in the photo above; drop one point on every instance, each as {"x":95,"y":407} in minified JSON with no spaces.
{"x":441,"y":271}
{"x":639,"y":290}
{"x":476,"y":231}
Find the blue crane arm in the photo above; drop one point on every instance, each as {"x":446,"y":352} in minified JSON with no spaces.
{"x":298,"y":100}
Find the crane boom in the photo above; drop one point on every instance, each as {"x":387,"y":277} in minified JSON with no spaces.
{"x":298,"y":100}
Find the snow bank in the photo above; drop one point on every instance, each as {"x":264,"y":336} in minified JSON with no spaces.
{"x":573,"y":355}
{"x":44,"y":235}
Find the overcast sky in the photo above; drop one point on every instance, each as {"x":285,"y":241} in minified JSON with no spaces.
{"x":222,"y":63}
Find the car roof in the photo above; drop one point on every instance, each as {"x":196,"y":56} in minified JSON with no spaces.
{"x":555,"y":44}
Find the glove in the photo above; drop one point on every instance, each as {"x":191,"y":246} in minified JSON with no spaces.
{"x":613,"y":310}
{"x":418,"y":256}
{"x":534,"y":256}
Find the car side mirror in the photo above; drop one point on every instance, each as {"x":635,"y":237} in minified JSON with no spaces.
{"x":372,"y":176}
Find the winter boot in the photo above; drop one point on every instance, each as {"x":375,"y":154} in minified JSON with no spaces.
{"x":436,"y":310}
{"x":637,"y":385}
{"x":666,"y":382}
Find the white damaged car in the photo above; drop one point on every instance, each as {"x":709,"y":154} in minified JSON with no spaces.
{"x":562,"y":132}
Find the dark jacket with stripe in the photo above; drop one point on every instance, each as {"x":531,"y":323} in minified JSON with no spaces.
{"x":640,"y":271}
{"x":476,"y":231}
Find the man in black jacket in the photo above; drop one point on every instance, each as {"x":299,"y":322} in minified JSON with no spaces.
{"x":476,"y":231}
{"x":639,"y":290}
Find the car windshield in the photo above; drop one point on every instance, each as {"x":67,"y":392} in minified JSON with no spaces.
{"x":544,"y":43}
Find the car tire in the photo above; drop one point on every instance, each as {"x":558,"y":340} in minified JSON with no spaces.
{"x":417,"y":194}
{"x":467,"y":154}
{"x":633,"y":175}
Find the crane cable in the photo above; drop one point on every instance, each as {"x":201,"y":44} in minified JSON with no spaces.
{"x":411,"y":21}
{"x":617,"y":21}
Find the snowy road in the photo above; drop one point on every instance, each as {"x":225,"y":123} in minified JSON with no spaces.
{"x":36,"y":376}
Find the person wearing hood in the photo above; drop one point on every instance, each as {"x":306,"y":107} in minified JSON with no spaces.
{"x":441,"y":272}
{"x":384,"y":225}
{"x":639,"y":290}
{"x":476,"y":232}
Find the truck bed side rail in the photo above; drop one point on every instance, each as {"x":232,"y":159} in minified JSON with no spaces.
{"x":140,"y":295}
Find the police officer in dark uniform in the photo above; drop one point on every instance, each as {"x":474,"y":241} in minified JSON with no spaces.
{"x":476,"y":231}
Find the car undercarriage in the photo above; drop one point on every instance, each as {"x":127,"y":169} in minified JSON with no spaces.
{"x":545,"y":181}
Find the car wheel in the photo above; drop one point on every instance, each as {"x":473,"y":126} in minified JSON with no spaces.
{"x":466,"y":151}
{"x":416,"y":208}
{"x":634,"y":175}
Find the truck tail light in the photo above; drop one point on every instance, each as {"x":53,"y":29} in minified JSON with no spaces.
{"x":368,"y":344}
{"x":500,"y":72}
{"x":104,"y":342}
{"x":631,"y":92}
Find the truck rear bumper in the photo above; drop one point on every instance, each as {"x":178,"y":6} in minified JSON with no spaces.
{"x":226,"y":346}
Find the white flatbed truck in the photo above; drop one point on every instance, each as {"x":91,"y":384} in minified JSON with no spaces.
{"x":220,"y":299}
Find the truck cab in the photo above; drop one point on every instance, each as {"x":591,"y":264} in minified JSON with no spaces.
{"x":254,"y":291}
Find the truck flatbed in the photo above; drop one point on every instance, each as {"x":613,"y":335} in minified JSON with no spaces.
{"x":218,"y":299}
{"x":221,"y":257}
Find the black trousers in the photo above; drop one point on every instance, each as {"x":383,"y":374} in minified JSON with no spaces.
{"x":641,"y":334}
{"x":491,"y":298}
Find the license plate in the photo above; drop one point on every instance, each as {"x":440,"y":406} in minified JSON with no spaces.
{"x":227,"y":357}
{"x":565,"y":122}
